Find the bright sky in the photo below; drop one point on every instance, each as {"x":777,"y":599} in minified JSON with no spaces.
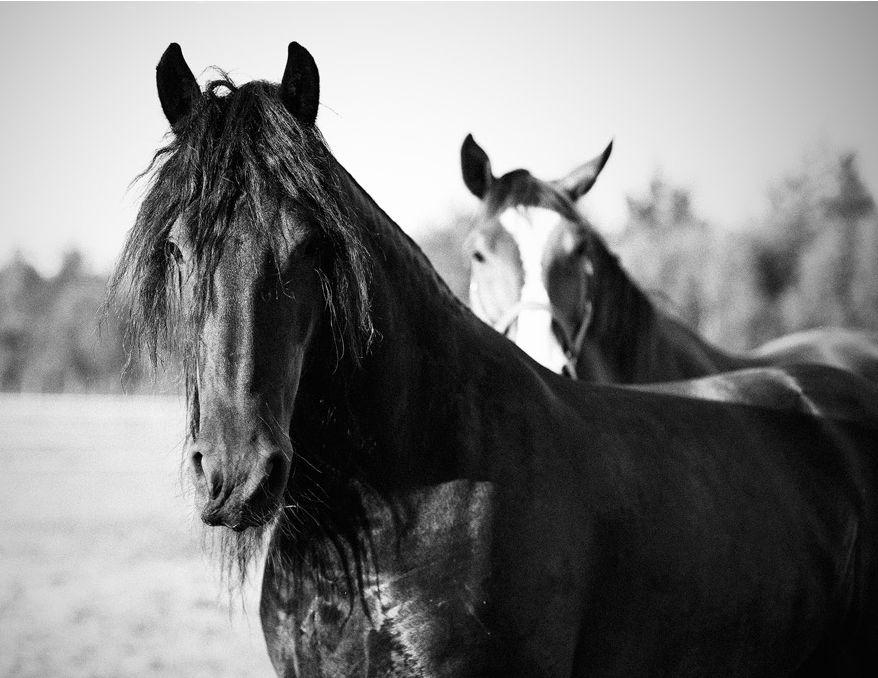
{"x":724,"y":98}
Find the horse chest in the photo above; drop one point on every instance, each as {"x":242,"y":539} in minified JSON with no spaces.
{"x":423,"y":613}
{"x":380,"y":636}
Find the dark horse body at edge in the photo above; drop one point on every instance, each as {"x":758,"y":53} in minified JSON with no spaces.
{"x":439,"y":504}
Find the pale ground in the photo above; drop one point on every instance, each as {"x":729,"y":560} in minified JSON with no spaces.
{"x":101,"y":569}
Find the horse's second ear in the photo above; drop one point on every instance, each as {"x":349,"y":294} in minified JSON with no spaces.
{"x":580,"y":180}
{"x":178,"y":89}
{"x":476,"y":167}
{"x":300,"y":86}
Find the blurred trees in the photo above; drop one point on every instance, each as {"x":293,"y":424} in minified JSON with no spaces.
{"x":839,"y":267}
{"x":21,"y":301}
{"x":50,"y":335}
{"x":811,"y":260}
{"x":668,"y":248}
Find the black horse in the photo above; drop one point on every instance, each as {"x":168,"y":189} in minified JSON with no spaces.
{"x":438,"y":503}
{"x":542,"y":275}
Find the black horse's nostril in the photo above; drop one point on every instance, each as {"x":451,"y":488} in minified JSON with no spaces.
{"x":214,"y":485}
{"x":206,"y":468}
{"x":196,"y":464}
{"x":274,"y":473}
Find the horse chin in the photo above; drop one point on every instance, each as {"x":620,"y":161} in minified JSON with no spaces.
{"x":237,"y":547}
{"x":240,"y":516}
{"x":241,"y":521}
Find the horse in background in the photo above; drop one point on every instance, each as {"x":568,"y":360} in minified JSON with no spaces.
{"x":543,"y":276}
{"x":436,"y":502}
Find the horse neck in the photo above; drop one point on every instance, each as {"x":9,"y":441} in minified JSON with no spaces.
{"x":634,"y":342}
{"x":400,"y":413}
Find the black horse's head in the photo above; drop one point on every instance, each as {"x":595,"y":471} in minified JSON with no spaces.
{"x":239,"y":255}
{"x":532,"y":256}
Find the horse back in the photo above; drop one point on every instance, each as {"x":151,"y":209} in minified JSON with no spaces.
{"x":852,"y":350}
{"x":814,"y":389}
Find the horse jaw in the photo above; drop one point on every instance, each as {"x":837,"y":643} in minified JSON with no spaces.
{"x":531,"y":227}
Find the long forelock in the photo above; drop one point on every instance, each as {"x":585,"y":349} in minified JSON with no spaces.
{"x":238,"y":160}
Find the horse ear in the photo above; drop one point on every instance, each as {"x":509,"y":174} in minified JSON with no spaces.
{"x":178,"y":89}
{"x":476,"y":167}
{"x":579,"y":181}
{"x":300,"y":86}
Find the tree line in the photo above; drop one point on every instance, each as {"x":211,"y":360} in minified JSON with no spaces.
{"x":811,"y":260}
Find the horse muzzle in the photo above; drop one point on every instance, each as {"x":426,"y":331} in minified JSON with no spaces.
{"x":533,"y":334}
{"x":240,"y":488}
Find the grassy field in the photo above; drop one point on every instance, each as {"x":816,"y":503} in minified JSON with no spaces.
{"x":101,"y":569}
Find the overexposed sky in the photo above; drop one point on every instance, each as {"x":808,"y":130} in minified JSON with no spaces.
{"x":724,"y":98}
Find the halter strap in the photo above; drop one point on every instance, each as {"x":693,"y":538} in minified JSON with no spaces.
{"x":575,"y":349}
{"x":505,"y":322}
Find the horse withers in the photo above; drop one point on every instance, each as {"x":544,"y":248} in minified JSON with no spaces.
{"x":542,"y":275}
{"x":436,"y":502}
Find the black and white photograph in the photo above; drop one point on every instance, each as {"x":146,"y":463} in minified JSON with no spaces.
{"x":438,"y":339}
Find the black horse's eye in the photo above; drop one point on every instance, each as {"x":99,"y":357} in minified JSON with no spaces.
{"x":478,"y":256}
{"x":580,"y":250}
{"x":173,"y":252}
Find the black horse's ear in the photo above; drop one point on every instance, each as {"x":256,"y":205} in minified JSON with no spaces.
{"x":579,"y":181}
{"x":476,"y":167}
{"x":178,"y":89}
{"x":300,"y":86}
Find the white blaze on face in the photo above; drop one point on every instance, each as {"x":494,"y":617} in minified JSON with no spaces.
{"x":530,"y":227}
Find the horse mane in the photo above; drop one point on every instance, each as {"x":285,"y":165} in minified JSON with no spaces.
{"x":623,"y":313}
{"x":239,"y":160}
{"x":520,"y":188}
